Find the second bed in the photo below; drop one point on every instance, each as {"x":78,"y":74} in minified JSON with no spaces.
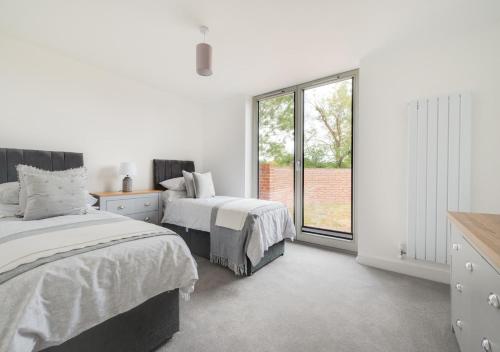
{"x":192,"y":219}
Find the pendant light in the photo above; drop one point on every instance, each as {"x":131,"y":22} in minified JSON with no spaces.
{"x":204,"y":55}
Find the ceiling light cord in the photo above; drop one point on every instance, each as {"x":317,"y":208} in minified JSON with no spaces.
{"x":204,"y":30}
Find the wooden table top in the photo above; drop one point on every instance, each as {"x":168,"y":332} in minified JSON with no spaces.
{"x":483,"y":233}
{"x":120,"y":193}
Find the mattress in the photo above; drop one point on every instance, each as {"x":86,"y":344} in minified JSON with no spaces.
{"x":58,"y":300}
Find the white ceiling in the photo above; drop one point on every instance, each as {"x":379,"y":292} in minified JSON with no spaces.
{"x":258,"y":45}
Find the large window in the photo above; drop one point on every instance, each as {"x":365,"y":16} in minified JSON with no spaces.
{"x":277,"y":149}
{"x":305,"y":153}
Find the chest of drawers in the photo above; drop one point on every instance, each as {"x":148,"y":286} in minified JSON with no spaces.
{"x":475,"y":281}
{"x":139,"y":205}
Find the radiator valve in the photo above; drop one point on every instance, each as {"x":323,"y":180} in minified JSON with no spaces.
{"x":402,"y":250}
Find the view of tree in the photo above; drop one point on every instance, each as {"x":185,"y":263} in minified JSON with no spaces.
{"x":276,"y":128}
{"x":327,"y":127}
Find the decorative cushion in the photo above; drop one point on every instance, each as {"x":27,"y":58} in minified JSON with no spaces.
{"x":174,"y":184}
{"x":50,"y":194}
{"x":23,"y":170}
{"x":9,"y":193}
{"x":188,"y":178}
{"x":203,"y":185}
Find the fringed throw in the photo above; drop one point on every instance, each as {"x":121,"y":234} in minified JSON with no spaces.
{"x":240,"y":269}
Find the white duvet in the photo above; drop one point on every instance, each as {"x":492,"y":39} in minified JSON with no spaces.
{"x":195,"y":213}
{"x":56,"y":301}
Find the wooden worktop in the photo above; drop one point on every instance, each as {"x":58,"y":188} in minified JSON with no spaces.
{"x":482,"y":232}
{"x":119,"y":193}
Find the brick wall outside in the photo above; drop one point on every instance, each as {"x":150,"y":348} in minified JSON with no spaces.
{"x":322,"y":185}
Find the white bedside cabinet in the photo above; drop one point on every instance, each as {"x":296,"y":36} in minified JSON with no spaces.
{"x":139,"y":205}
{"x":475,"y":281}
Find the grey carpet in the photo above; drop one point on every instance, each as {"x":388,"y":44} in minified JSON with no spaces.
{"x":313,"y":299}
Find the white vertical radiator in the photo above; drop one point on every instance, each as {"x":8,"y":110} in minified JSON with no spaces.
{"x":439,"y":172}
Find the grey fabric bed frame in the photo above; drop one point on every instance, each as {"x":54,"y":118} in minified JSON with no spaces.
{"x":199,"y":241}
{"x":143,"y":328}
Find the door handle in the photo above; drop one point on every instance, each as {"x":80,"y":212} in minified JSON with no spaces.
{"x":297,"y":165}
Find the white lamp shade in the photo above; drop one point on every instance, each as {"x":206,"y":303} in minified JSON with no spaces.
{"x":128,"y":168}
{"x":204,"y":59}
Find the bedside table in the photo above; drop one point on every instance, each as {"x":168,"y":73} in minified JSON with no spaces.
{"x":139,"y":205}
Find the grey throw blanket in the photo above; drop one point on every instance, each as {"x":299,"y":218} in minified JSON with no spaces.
{"x":228,"y":247}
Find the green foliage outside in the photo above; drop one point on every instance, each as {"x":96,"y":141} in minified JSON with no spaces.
{"x":327,"y":132}
{"x":276,"y":128}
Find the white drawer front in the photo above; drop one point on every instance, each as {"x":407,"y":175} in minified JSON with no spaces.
{"x":146,"y":204}
{"x":121,"y":206}
{"x":486,"y":304}
{"x":461,"y":297}
{"x":149,"y":216}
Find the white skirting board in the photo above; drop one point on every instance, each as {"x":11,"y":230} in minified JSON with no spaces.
{"x":421,"y":269}
{"x":439,"y":134}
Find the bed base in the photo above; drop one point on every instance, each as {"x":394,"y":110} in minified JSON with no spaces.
{"x":199,"y":244}
{"x":143,"y":328}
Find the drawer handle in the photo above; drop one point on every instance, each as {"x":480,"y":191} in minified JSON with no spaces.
{"x":147,"y":219}
{"x":147,"y":204}
{"x":460,"y":324}
{"x":494,"y":301}
{"x":459,"y":287}
{"x":121,"y":207}
{"x":456,"y":246}
{"x":486,"y":345}
{"x":469,"y":266}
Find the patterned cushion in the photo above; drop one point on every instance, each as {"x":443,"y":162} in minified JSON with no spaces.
{"x":23,"y":170}
{"x":50,"y":194}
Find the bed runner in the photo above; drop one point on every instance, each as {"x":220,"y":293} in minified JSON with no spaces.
{"x":26,"y":250}
{"x":233,"y":214}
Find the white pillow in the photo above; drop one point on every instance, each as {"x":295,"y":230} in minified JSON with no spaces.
{"x":51,"y":194}
{"x":23,"y":170}
{"x":170,"y":195}
{"x":174,"y":184}
{"x":188,"y":178}
{"x":8,"y":210}
{"x":90,"y":200}
{"x":203,"y":185}
{"x":9,"y":193}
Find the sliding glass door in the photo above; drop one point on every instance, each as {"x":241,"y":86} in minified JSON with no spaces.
{"x":305,"y":154}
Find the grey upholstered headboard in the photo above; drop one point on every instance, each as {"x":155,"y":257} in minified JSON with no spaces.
{"x":167,"y":169}
{"x":10,"y":158}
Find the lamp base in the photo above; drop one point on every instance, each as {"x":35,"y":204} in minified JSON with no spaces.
{"x":127,"y":184}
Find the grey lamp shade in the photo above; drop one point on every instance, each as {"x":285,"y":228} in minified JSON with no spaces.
{"x":204,"y":59}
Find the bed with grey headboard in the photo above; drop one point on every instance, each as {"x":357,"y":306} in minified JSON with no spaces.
{"x":199,"y":241}
{"x":140,"y":329}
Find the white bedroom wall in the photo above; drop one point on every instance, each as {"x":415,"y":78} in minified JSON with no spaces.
{"x":225,"y":144}
{"x":52,"y":102}
{"x":391,"y":77}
